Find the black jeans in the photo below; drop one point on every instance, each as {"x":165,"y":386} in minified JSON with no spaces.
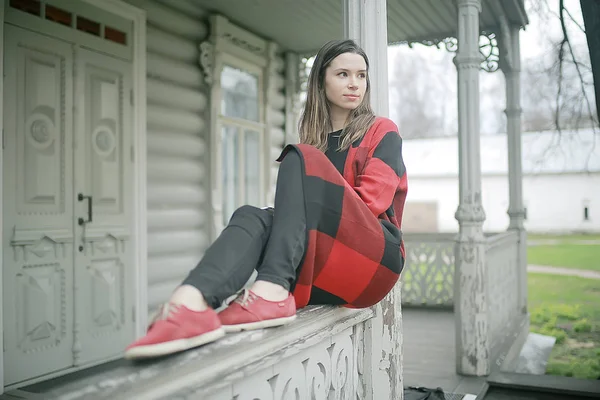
{"x":272,"y":241}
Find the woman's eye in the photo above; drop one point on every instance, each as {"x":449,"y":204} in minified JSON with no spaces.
{"x":343,"y":74}
{"x":362,"y":75}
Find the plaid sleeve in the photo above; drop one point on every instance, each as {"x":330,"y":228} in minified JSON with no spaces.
{"x":383,"y":172}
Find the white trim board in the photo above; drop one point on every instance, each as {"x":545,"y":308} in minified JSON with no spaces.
{"x":138,"y":18}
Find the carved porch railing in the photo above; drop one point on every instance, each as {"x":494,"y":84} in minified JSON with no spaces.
{"x":428,"y":281}
{"x":326,"y":353}
{"x":321,"y":355}
{"x":428,"y":275}
{"x":502,"y":273}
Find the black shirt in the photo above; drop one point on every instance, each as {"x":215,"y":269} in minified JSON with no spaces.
{"x":337,"y":158}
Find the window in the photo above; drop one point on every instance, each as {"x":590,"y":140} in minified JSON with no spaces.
{"x":586,"y":213}
{"x":241,"y":138}
{"x":525,"y":213}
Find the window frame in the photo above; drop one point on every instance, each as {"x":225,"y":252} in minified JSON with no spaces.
{"x":586,"y":216}
{"x":231,"y":60}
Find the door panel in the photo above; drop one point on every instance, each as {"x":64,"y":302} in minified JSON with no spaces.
{"x":104,"y":269}
{"x":38,"y":205}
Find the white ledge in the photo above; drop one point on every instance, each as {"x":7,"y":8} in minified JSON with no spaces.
{"x":209,"y":368}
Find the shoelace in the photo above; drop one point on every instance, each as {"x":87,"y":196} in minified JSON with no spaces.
{"x":246,"y":298}
{"x":168,"y":309}
{"x":164,"y":312}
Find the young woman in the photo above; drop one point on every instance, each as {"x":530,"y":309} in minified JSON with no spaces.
{"x":333,"y":236}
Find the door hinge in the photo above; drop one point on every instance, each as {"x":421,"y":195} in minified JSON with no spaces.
{"x":133,"y":315}
{"x":131,"y":96}
{"x":132,"y":153}
{"x":3,"y":143}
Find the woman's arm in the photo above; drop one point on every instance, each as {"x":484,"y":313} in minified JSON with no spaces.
{"x":378,"y":182}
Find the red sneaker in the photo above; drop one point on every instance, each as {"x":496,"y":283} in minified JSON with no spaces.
{"x":177,"y":329}
{"x":250,"y":311}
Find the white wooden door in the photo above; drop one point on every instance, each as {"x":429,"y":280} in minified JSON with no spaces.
{"x":68,"y":287}
{"x":104,"y":289}
{"x":38,"y":205}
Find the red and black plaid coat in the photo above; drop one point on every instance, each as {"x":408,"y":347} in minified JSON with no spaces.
{"x":355,"y":251}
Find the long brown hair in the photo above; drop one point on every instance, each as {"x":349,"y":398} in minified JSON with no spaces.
{"x":315,"y":121}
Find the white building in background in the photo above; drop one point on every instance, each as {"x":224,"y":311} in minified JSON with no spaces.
{"x":561,"y":182}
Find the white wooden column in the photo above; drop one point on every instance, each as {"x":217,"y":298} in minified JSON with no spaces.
{"x":365,"y":21}
{"x":516,"y":211}
{"x":471,"y":314}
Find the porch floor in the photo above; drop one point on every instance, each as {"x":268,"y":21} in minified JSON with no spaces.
{"x":429,"y":352}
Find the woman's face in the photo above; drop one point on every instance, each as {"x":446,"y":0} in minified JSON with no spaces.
{"x":346,"y":81}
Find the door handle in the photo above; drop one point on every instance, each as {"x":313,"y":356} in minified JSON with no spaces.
{"x":81,"y":197}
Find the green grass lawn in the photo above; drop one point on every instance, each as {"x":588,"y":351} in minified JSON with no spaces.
{"x":568,"y":308}
{"x":563,"y":238}
{"x":580,"y":256}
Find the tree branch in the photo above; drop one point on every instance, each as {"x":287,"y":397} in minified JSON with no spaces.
{"x":574,"y":21}
{"x":561,"y":58}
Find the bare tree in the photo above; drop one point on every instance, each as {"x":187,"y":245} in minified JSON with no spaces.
{"x":538,"y":97}
{"x":564,"y":79}
{"x":421,"y":95}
